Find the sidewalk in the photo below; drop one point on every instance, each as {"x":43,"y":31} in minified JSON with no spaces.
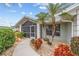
{"x":24,"y":49}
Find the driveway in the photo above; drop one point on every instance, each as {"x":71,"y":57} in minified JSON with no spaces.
{"x":24,"y":49}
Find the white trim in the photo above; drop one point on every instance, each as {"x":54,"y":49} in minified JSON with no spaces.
{"x":30,"y":31}
{"x":34,"y":31}
{"x":38,"y":30}
{"x":72,"y":30}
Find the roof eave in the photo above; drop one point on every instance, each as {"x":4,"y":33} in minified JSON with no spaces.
{"x":23,"y":19}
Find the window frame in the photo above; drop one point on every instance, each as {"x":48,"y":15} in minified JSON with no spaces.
{"x":58,"y":29}
{"x":50,"y":29}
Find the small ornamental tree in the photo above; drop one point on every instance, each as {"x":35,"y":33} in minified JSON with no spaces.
{"x":75,"y":45}
{"x":37,"y":43}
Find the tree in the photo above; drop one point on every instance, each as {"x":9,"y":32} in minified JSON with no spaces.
{"x":52,"y":10}
{"x":41,"y":18}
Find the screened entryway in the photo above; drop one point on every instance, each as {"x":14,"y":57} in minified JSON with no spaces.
{"x":30,"y":29}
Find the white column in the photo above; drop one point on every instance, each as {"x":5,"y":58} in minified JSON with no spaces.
{"x":38,"y":31}
{"x":78,"y":25}
{"x":72,"y":30}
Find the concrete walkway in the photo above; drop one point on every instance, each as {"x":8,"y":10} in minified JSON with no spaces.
{"x":24,"y":49}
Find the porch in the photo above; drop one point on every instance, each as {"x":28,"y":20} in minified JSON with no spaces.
{"x":64,"y":32}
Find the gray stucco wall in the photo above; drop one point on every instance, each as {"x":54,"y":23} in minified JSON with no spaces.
{"x":66,"y":32}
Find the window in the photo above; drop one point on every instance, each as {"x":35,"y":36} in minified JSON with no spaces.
{"x":49,"y":30}
{"x":57,"y":33}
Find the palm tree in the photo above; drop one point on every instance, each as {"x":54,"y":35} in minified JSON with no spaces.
{"x":41,"y":18}
{"x":52,"y":10}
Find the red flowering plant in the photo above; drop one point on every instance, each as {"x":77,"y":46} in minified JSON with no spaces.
{"x":37,"y":43}
{"x":62,"y":50}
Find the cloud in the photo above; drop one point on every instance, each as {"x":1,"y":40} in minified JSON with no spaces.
{"x":7,"y":4}
{"x":23,"y":13}
{"x":0,"y":17}
{"x":36,"y":4}
{"x":30,"y":13}
{"x":45,"y":4}
{"x":42,"y":7}
{"x":20,"y":5}
{"x":40,"y":4}
{"x":3,"y":22}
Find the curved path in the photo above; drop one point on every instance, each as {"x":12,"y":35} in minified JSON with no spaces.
{"x":24,"y":49}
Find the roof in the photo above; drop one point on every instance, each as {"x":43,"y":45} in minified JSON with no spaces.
{"x":65,"y":5}
{"x":23,"y":20}
{"x":68,"y":8}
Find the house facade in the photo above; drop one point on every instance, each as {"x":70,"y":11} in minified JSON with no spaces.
{"x":65,"y":29}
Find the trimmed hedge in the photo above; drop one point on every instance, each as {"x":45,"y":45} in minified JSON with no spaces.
{"x":7,"y":38}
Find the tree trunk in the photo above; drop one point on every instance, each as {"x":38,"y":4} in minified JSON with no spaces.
{"x":42,"y":32}
{"x":53,"y":27}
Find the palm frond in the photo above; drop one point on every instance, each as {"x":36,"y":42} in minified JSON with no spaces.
{"x":41,"y":17}
{"x":66,"y":16}
{"x":53,"y":8}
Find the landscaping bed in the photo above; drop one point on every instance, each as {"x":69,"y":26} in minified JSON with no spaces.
{"x":45,"y":49}
{"x":56,"y":49}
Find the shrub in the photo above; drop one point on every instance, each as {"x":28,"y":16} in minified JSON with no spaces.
{"x":46,"y":39}
{"x":7,"y":38}
{"x":19,"y":34}
{"x":48,"y":42}
{"x":75,"y":45}
{"x":37,"y":43}
{"x":32,"y":41}
{"x":24,"y":34}
{"x":62,"y":50}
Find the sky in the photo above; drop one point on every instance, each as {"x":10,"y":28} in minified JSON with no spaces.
{"x":11,"y":13}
